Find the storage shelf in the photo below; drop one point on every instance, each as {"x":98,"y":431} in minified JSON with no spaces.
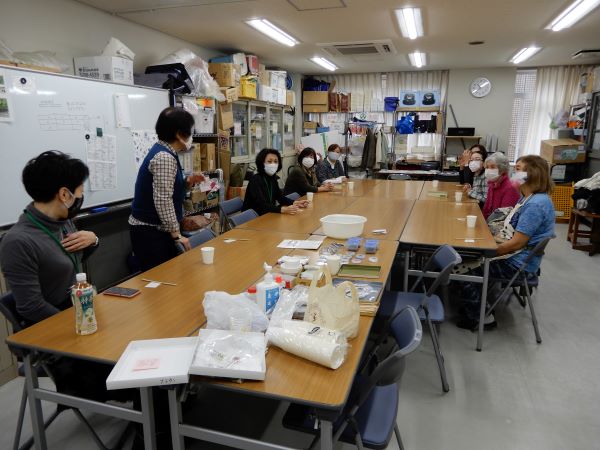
{"x":205,"y":135}
{"x":418,"y":109}
{"x":464,"y":137}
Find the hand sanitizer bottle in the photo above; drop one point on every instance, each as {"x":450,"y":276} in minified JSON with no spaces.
{"x":267,"y":291}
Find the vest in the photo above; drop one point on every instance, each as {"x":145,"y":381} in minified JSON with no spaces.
{"x":142,"y":207}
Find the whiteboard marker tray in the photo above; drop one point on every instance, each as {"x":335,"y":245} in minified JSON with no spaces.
{"x":230,"y":354}
{"x":153,"y":362}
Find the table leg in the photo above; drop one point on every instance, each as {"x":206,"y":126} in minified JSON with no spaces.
{"x":326,"y":435}
{"x":35,"y":404}
{"x":571,"y":222}
{"x":406,"y":263}
{"x":148,"y":418}
{"x":175,"y":415}
{"x":484,"y":289}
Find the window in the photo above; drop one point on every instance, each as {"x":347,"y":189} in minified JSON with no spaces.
{"x":521,"y":111}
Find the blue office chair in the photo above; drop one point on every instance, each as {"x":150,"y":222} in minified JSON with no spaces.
{"x":369,"y":417}
{"x":293,"y":196}
{"x":196,"y":239}
{"x":8,"y":308}
{"x":428,"y":305}
{"x":524,"y":282}
{"x":399,"y":176}
{"x":243,"y":217}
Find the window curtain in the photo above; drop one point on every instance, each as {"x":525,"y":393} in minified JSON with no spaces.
{"x":557,"y":88}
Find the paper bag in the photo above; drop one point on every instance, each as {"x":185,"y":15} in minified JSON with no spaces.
{"x":329,"y":307}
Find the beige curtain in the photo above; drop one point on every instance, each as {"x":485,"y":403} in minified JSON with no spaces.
{"x":557,"y":88}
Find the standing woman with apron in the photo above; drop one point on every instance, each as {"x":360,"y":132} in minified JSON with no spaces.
{"x":157,"y":207}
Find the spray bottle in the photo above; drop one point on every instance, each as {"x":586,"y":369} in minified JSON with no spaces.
{"x":267,"y":291}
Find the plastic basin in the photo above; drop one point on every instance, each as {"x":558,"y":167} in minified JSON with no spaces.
{"x":343,"y":226}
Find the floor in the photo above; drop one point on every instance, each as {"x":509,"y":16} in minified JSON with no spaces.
{"x":516,"y":394}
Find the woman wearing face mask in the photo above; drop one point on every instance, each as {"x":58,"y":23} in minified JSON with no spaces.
{"x":531,"y":221}
{"x":302,"y":178}
{"x":157,"y":207}
{"x":478,"y":189}
{"x":263,"y":194}
{"x":331,"y":167}
{"x":465,"y":174}
{"x":501,"y":192}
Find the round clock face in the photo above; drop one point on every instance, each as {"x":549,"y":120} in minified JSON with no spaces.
{"x":480,"y":87}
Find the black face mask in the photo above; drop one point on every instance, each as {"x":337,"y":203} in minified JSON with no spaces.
{"x":75,"y":207}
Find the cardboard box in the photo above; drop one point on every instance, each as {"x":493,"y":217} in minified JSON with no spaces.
{"x":231,"y":94}
{"x":253,"y":65}
{"x":196,"y":158}
{"x":277,"y":78}
{"x":266,"y":93}
{"x":279,"y":96}
{"x":263,"y":75}
{"x":225,"y":165}
{"x":249,"y":87}
{"x":563,"y":151}
{"x":315,"y":101}
{"x":225,"y":116}
{"x":208,"y":160}
{"x":237,"y":59}
{"x":290,"y":98}
{"x":212,"y":199}
{"x":223,"y":143}
{"x":105,"y":68}
{"x":225,"y":74}
{"x":310,"y":125}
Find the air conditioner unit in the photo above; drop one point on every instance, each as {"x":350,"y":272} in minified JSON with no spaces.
{"x":359,"y":49}
{"x":585,"y":54}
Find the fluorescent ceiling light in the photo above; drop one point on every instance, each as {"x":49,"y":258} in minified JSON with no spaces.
{"x":326,"y":64}
{"x":418,"y":59}
{"x":275,"y":33}
{"x":571,"y":15}
{"x":524,"y":54}
{"x":410,"y":22}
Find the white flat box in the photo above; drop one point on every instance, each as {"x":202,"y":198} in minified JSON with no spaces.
{"x":280,"y":96}
{"x":174,"y":358}
{"x":265,"y":93}
{"x":105,"y":68}
{"x":214,"y":357}
{"x":277,"y":78}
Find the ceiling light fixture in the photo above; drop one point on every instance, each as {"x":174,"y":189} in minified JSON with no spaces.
{"x":411,"y":24}
{"x":275,"y":33}
{"x":418,"y":59}
{"x":577,"y":10}
{"x":325,"y":63}
{"x":524,"y":54}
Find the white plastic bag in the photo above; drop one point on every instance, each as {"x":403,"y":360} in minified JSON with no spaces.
{"x":329,"y":307}
{"x":287,"y":304}
{"x":219,"y":308}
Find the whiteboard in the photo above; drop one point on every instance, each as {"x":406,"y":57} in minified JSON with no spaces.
{"x":58,"y":112}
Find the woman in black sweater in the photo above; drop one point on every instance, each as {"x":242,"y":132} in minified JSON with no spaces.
{"x":303,"y":178}
{"x":263,"y":194}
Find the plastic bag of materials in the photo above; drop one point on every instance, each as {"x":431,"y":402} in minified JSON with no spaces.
{"x":406,"y":125}
{"x":288,"y":302}
{"x":40,"y":58}
{"x":221,"y":307}
{"x":318,"y":344}
{"x":329,"y":307}
{"x":197,"y":69}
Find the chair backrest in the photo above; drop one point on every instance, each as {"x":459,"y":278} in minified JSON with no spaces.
{"x":391,"y":369}
{"x":538,"y":250}
{"x":232,"y":206}
{"x":293,"y":196}
{"x":243,"y":217}
{"x":8,"y":307}
{"x":399,"y":176}
{"x":196,"y":239}
{"x":443,"y":260}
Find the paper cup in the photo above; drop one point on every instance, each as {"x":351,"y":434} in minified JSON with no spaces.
{"x":435,"y":183}
{"x":208,"y":255}
{"x":333,"y":263}
{"x":471,"y":220}
{"x":350,"y":185}
{"x":458,"y":196}
{"x":309,"y":196}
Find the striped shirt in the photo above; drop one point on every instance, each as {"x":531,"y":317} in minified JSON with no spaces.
{"x":479,"y":188}
{"x":164,"y":169}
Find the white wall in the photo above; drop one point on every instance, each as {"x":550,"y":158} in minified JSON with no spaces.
{"x":73,"y":29}
{"x":489,"y":115}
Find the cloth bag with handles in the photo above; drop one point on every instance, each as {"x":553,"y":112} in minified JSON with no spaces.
{"x":329,"y":307}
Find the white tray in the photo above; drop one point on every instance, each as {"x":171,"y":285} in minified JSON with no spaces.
{"x":175,"y":357}
{"x":250,"y":369}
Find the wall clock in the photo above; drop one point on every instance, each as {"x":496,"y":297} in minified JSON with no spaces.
{"x":480,"y":87}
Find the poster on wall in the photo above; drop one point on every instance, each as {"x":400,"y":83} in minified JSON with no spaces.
{"x":429,"y":97}
{"x":408,"y":98}
{"x":5,"y":113}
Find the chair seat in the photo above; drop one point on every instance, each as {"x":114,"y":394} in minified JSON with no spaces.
{"x":395,"y":301}
{"x":532,"y":280}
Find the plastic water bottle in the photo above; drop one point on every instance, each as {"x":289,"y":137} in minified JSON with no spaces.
{"x":267,"y":291}
{"x":82,"y":296}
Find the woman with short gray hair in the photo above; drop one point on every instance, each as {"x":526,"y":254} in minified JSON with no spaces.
{"x":501,"y":193}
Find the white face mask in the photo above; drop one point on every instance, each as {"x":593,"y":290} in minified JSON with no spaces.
{"x":308,"y":162}
{"x":519,"y":177}
{"x":333,"y":156}
{"x":189,"y":142}
{"x":492,"y":174}
{"x":475,"y":166}
{"x":271,"y":169}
